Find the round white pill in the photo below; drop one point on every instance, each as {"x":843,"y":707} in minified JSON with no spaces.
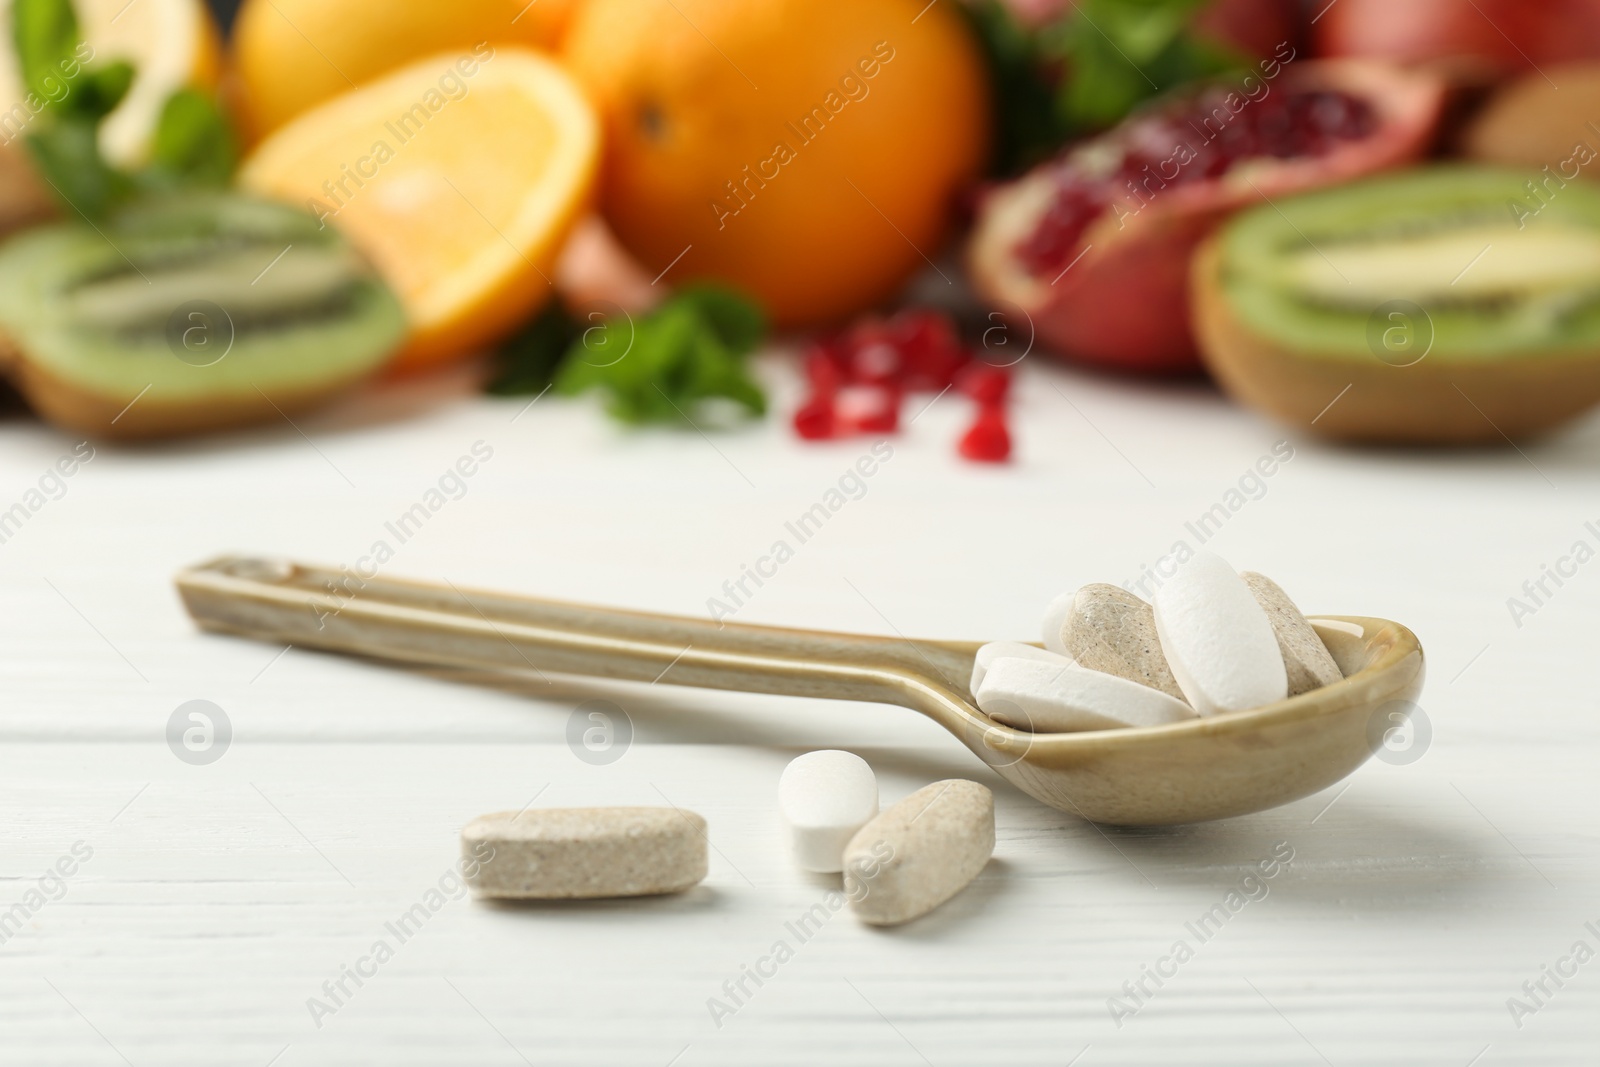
{"x":1011,"y":650}
{"x":1218,"y":639}
{"x":823,"y":799}
{"x":1055,"y":616}
{"x":1045,"y":698}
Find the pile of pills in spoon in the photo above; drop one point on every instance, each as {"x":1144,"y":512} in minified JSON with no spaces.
{"x":1213,"y":640}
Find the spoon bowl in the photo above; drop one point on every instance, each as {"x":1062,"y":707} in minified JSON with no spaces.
{"x":1192,"y":771}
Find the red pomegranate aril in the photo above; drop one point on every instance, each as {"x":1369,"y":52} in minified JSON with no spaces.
{"x":877,"y":360}
{"x":867,"y":409}
{"x":988,"y":441}
{"x":823,"y":370}
{"x":814,"y":419}
{"x":985,"y":384}
{"x":858,"y":379}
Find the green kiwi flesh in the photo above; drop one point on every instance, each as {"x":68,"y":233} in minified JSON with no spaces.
{"x":187,"y":315}
{"x":1455,"y":305}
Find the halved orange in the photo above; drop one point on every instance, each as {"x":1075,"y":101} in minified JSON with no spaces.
{"x":460,"y":175}
{"x":290,"y":55}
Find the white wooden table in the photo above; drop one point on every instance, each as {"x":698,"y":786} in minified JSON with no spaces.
{"x":216,"y":900}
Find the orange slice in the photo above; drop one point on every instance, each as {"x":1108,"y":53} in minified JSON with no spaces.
{"x":290,"y":55}
{"x":460,"y":175}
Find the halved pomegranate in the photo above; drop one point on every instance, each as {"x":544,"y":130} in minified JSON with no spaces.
{"x":1094,"y":246}
{"x":1465,"y":37}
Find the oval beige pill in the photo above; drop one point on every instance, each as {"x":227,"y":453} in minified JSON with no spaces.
{"x":1305,"y":657}
{"x":1109,"y":629}
{"x":579,"y":853}
{"x":919,"y":853}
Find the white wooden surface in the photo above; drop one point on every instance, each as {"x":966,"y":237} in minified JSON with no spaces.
{"x":219,"y":898}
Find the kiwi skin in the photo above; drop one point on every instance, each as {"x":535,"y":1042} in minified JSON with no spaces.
{"x":73,"y":407}
{"x":87,"y":351}
{"x":1531,"y":123}
{"x":1427,"y":403}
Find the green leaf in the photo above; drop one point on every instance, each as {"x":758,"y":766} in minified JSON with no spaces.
{"x":193,"y":141}
{"x":97,"y":92}
{"x":527,"y":362}
{"x":1122,"y":52}
{"x":737,"y":320}
{"x":663,"y":367}
{"x":1022,"y":92}
{"x":45,"y":33}
{"x":67,"y":154}
{"x":1087,"y":70}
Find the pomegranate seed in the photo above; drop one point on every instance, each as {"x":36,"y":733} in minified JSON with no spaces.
{"x":988,"y":440}
{"x":814,"y":420}
{"x":985,"y":384}
{"x":875,"y":361}
{"x":868,"y":409}
{"x":823,"y":371}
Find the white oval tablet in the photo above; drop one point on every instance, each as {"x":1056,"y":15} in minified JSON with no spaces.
{"x":1044,"y":698}
{"x":1055,"y":616}
{"x":1217,"y":639}
{"x":1011,"y":650}
{"x":823,"y":799}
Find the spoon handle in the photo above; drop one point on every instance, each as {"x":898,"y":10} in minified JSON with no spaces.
{"x":442,"y":624}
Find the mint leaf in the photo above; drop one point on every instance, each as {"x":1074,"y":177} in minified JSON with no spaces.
{"x":1119,"y":53}
{"x":99,"y":91}
{"x":1022,"y":93}
{"x":1085,"y":71}
{"x":45,"y":33}
{"x":664,"y":366}
{"x":527,"y":362}
{"x":67,"y":154}
{"x":193,"y":141}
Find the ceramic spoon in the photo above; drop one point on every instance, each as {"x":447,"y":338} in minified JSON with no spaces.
{"x":1207,"y":768}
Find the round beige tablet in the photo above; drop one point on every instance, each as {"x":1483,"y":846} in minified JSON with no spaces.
{"x":576,"y":853}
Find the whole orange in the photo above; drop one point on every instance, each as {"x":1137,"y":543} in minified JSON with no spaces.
{"x":289,"y":55}
{"x":806,"y":151}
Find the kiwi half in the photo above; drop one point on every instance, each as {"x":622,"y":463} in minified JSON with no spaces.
{"x":1441,"y":305}
{"x":186,"y":315}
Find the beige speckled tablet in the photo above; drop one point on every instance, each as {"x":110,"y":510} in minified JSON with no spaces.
{"x":1305,"y":657}
{"x":574,"y":853}
{"x":919,"y":853}
{"x":1109,"y":629}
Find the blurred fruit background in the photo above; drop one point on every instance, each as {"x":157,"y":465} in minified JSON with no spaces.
{"x":632,"y":197}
